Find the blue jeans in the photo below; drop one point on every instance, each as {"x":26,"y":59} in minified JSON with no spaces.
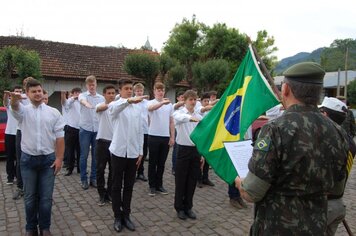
{"x":38,"y":182}
{"x":233,"y":192}
{"x":87,"y":138}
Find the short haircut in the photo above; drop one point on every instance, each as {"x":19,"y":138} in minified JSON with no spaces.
{"x":24,"y":81}
{"x":90,"y":79}
{"x":307,"y":93}
{"x":138,"y":86}
{"x":205,"y":95}
{"x":76,"y":90}
{"x":213,"y":92}
{"x":44,"y":92}
{"x":180,"y":93}
{"x":31,"y":82}
{"x":159,"y":85}
{"x":16,"y":87}
{"x":190,"y":94}
{"x":123,"y":82}
{"x":109,"y":86}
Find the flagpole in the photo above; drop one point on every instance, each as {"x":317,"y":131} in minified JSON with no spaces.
{"x":265,"y":71}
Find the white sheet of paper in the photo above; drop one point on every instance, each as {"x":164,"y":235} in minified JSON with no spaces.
{"x":240,"y":153}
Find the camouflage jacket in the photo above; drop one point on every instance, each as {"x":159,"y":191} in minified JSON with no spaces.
{"x":349,"y":123}
{"x":301,"y":155}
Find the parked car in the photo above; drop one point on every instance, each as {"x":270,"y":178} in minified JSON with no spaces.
{"x":3,"y":119}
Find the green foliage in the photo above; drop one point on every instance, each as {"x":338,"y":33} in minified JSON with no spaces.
{"x":166,"y":63}
{"x":334,"y":57}
{"x":177,"y":73}
{"x":210,"y":74}
{"x":144,"y":66}
{"x":265,"y":49}
{"x":351,"y":92}
{"x":198,"y":48}
{"x":17,"y":64}
{"x":184,"y":43}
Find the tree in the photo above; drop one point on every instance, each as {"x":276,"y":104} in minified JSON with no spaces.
{"x":144,"y":66}
{"x":211,"y":75}
{"x":351,"y":92}
{"x":334,"y":57}
{"x":17,"y":64}
{"x":265,"y":49}
{"x":176,"y":74}
{"x":184,"y":43}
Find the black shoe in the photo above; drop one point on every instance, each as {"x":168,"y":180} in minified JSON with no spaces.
{"x":208,"y":182}
{"x":235,"y":203}
{"x":85,"y":185}
{"x":68,"y":173}
{"x":191,"y":214}
{"x":18,"y":194}
{"x":181,"y":215}
{"x":117,"y":225}
{"x":101,"y":201}
{"x":93,"y":183}
{"x":10,"y":182}
{"x":199,"y":184}
{"x":161,"y":190}
{"x":152,"y":192}
{"x":45,"y":232}
{"x":108,"y":198}
{"x":141,"y":177}
{"x":241,"y":202}
{"x":128,"y":223}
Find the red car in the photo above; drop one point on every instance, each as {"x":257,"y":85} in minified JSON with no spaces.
{"x":257,"y":125}
{"x":3,"y":120}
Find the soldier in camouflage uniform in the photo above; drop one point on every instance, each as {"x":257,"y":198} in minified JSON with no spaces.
{"x":336,"y":110}
{"x":296,"y":160}
{"x":349,"y":122}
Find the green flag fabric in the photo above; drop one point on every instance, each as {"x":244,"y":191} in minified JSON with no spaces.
{"x":248,"y":96}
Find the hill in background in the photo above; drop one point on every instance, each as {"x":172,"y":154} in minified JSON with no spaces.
{"x":299,"y":57}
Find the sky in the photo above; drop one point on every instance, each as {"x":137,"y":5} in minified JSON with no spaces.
{"x":297,"y":26}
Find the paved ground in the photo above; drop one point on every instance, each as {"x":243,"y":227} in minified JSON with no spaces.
{"x":75,"y":211}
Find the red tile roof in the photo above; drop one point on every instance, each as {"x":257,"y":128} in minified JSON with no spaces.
{"x":72,"y":61}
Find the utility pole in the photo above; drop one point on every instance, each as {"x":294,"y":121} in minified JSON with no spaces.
{"x":346,"y":58}
{"x":338,"y":83}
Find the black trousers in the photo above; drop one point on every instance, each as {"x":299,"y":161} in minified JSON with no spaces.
{"x":204,"y":175}
{"x":18,"y":158}
{"x":145,"y":149}
{"x":123,"y":177}
{"x":187,"y":172}
{"x":158,"y":150}
{"x":10,"y":149}
{"x":72,"y":147}
{"x":103,"y":157}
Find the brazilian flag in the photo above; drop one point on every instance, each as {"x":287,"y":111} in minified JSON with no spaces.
{"x":248,"y":96}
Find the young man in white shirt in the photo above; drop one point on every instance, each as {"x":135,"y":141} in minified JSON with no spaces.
{"x":10,"y":137}
{"x":42,"y":146}
{"x":24,"y":101}
{"x":88,"y":129}
{"x":188,"y":161}
{"x":160,"y":138}
{"x":103,"y":141}
{"x":139,"y":91}
{"x":71,"y":107}
{"x":126,"y":149}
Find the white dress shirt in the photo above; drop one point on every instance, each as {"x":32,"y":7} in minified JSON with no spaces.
{"x":40,"y":127}
{"x":160,"y":119}
{"x":105,"y":130}
{"x":72,"y":109}
{"x":144,"y":115}
{"x":128,"y":132}
{"x":11,"y":124}
{"x":184,"y":126}
{"x":88,"y":118}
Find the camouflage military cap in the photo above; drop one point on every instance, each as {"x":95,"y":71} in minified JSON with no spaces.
{"x":305,"y":72}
